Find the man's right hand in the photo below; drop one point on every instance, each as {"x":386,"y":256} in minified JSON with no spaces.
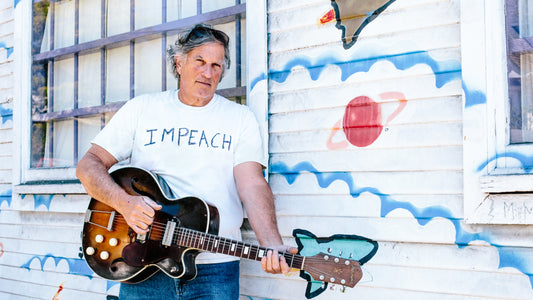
{"x":93,"y":172}
{"x":138,"y":211}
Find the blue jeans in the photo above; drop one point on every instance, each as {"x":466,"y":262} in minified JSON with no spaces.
{"x":214,"y":281}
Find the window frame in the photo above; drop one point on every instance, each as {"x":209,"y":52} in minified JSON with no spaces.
{"x":496,"y":187}
{"x":26,"y":177}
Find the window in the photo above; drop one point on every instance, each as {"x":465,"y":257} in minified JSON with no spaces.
{"x":519,"y":32}
{"x":88,"y":57}
{"x":498,"y":114}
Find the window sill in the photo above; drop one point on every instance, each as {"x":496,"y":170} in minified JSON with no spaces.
{"x":49,"y":187}
{"x":508,"y":200}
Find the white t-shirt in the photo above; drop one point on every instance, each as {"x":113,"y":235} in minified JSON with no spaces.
{"x":194,"y":149}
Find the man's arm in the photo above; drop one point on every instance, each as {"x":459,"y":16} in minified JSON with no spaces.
{"x":92,"y":171}
{"x":258,"y":201}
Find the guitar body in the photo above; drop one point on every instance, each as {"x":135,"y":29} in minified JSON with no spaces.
{"x":186,"y":226}
{"x":115,"y":252}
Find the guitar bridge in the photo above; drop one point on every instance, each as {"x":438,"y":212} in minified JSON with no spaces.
{"x":169,"y":233}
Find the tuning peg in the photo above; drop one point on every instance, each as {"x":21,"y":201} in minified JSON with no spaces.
{"x":340,"y":253}
{"x":351,"y":255}
{"x":343,"y":289}
{"x":330,"y":250}
{"x":332,"y":287}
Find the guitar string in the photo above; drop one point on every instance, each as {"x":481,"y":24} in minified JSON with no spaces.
{"x":159,"y":228}
{"x":190,"y":238}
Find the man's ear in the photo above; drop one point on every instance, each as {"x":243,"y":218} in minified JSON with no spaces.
{"x":178,"y":61}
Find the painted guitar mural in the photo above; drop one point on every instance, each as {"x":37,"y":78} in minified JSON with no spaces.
{"x":181,"y":230}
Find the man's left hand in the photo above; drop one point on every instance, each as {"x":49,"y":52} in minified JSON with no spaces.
{"x":275,"y":263}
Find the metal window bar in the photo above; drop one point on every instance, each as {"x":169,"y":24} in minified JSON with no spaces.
{"x":51,"y":88}
{"x":220,"y":16}
{"x":163,"y":46}
{"x":76,"y":76}
{"x":102,"y":61}
{"x":238,"y":49}
{"x":132,"y":50}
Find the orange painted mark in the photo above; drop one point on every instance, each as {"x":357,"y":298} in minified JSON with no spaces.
{"x":56,"y":296}
{"x":1,"y":249}
{"x":401,"y":99}
{"x":336,"y":145}
{"x":327,"y":17}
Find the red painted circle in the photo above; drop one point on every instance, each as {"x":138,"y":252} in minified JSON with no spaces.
{"x":362,"y":121}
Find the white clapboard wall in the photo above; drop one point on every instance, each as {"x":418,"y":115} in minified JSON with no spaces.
{"x":403,"y":190}
{"x":6,"y":132}
{"x":417,"y":160}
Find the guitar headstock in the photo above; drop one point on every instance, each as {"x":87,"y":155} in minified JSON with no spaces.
{"x":332,"y":269}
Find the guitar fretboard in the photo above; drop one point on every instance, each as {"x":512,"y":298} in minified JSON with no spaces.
{"x":212,"y":243}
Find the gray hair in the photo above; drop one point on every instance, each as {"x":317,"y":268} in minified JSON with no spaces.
{"x":199,"y":35}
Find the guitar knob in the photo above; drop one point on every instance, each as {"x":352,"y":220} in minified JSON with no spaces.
{"x":347,"y":262}
{"x":321,"y":277}
{"x":336,"y":259}
{"x":104,"y":255}
{"x":90,"y":251}
{"x":343,"y":281}
{"x":332,"y":279}
{"x":113,"y":242}
{"x":326,"y":257}
{"x":99,"y":238}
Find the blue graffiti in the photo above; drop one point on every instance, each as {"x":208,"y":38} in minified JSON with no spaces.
{"x":445,"y":71}
{"x":525,"y":161}
{"x":6,"y":196}
{"x":76,"y":266}
{"x":15,"y":3}
{"x":473,"y":97}
{"x":8,"y":49}
{"x":39,"y":200}
{"x":6,"y":114}
{"x":508,"y":256}
{"x":111,"y":284}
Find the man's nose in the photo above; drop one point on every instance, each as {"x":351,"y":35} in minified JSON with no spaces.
{"x":207,"y":72}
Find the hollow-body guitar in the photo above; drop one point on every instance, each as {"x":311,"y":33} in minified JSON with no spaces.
{"x":181,"y":230}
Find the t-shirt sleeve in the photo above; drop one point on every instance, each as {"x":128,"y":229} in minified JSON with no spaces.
{"x":117,"y":137}
{"x":250,"y":147}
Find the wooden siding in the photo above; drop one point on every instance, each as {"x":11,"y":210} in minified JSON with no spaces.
{"x":404,"y":188}
{"x":411,"y":173}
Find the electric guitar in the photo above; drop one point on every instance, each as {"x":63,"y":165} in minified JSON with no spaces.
{"x":181,"y":230}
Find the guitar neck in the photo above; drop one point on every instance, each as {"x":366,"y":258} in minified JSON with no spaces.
{"x":212,"y":243}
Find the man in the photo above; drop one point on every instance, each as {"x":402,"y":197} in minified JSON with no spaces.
{"x":202,"y":145}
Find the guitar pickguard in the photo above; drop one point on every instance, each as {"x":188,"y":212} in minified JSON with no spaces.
{"x":113,"y":250}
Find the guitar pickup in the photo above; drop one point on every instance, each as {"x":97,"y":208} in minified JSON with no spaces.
{"x":169,"y":233}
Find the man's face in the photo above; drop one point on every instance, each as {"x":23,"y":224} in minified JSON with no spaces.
{"x":200,"y":73}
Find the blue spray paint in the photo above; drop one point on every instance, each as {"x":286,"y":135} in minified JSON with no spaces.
{"x":6,"y":114}
{"x":6,"y":196}
{"x":473,"y":97}
{"x":39,"y":200}
{"x":111,"y":284}
{"x":509,"y":257}
{"x":525,"y":161}
{"x":445,"y":71}
{"x":8,"y":49}
{"x":76,"y":266}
